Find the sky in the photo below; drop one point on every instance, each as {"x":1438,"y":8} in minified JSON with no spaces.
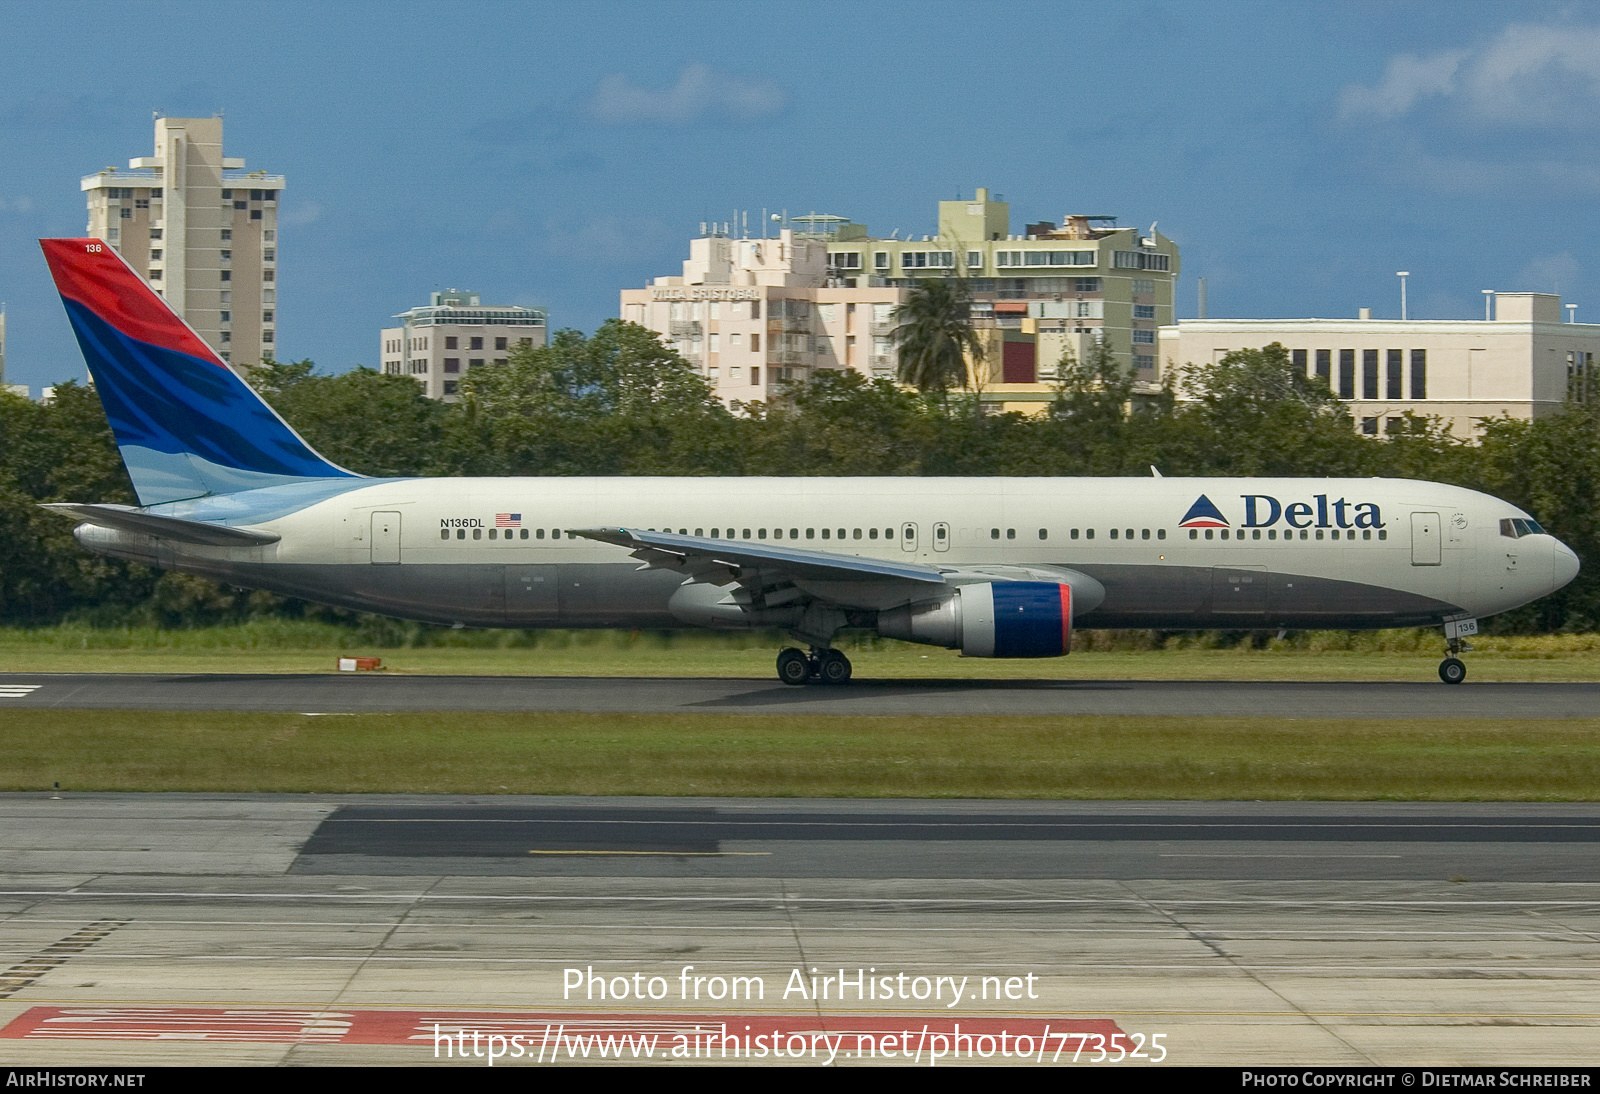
{"x":552,"y":154}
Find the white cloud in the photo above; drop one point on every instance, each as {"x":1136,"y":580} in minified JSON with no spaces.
{"x":699,"y":93}
{"x":1541,"y":75}
{"x":23,"y":204}
{"x":1407,"y":79}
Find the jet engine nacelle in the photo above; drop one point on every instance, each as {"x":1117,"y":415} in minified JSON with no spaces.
{"x":989,"y":619}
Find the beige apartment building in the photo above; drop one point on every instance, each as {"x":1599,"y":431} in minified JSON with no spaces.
{"x":453,"y":333}
{"x":1523,"y":363}
{"x":202,"y":230}
{"x":750,"y":314}
{"x":1038,"y":293}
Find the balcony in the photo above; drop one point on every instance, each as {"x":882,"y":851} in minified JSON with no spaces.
{"x":684,"y":328}
{"x":789,"y":324}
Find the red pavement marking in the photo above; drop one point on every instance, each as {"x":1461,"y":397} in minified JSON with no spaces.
{"x":435,"y":1028}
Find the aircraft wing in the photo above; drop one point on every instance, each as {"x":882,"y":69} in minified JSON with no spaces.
{"x":127,"y":519}
{"x":721,"y":561}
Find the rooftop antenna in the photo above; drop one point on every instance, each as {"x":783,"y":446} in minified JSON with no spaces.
{"x":1402,"y":275}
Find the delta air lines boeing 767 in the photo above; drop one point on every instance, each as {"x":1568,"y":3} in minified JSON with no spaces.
{"x":994,"y":567}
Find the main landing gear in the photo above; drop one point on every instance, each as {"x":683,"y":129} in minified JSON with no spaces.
{"x":822,"y":666}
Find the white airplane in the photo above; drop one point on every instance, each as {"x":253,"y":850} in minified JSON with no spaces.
{"x":995,"y":567}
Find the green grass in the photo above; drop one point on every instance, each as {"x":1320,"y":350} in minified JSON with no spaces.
{"x":778,"y":756}
{"x":298,"y":647}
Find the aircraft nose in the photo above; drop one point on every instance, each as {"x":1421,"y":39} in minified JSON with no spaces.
{"x":1563,"y":564}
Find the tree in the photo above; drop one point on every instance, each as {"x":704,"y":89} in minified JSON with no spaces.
{"x":934,"y":330}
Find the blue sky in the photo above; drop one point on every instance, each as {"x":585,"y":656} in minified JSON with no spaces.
{"x":555,"y":153}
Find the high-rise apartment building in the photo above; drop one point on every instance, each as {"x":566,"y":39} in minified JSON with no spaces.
{"x":202,"y":230}
{"x":453,"y":334}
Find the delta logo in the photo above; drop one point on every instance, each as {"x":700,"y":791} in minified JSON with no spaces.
{"x":1203,"y":514}
{"x":1264,"y":511}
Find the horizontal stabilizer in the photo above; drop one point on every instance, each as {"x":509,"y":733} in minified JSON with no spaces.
{"x":126,"y":519}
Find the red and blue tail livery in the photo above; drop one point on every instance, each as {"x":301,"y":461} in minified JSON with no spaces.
{"x":186,"y":424}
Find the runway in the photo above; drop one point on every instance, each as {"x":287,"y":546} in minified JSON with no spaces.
{"x":301,"y":929}
{"x":375,"y":692}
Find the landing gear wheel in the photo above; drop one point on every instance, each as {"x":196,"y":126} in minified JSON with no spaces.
{"x":794,"y":667}
{"x":833,"y":667}
{"x":1452,"y":670}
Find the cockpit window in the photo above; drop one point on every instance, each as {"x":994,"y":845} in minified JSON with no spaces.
{"x":1517,"y":527}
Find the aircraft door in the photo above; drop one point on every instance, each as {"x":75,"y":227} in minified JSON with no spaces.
{"x":385,"y":538}
{"x":908,"y":537}
{"x":1425,"y":535}
{"x":941,"y":537}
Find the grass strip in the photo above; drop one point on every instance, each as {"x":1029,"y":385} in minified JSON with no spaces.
{"x":777,"y":756}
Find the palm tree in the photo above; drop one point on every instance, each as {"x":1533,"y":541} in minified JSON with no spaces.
{"x":934,"y":330}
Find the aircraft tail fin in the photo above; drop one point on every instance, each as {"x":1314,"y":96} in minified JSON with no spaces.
{"x":187,"y":426}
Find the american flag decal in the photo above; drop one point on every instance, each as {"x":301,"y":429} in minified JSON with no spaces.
{"x":508,"y":520}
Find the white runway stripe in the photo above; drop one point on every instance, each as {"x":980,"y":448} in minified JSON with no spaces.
{"x":17,"y":691}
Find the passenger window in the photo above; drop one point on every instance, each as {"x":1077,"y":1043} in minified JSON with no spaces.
{"x":747,"y":533}
{"x":1144,"y":534}
{"x":1319,"y":533}
{"x":1272,"y":533}
{"x":524,"y":534}
{"x":1367,"y":534}
{"x":938,"y":531}
{"x":1161,"y":533}
{"x":1307,"y":535}
{"x":841,"y":533}
{"x":493,"y":534}
{"x":1072,"y":534}
{"x":826,"y":533}
{"x":1113,"y":533}
{"x":1256,"y":534}
{"x":444,"y":533}
{"x":888,"y":533}
{"x":1193,"y":534}
{"x":477,"y":533}
{"x":761,"y":533}
{"x":856,"y":535}
{"x":1382,"y":534}
{"x":461,"y":533}
{"x":1011,"y":533}
{"x":538,"y":533}
{"x":715,"y":534}
{"x":683,"y":531}
{"x":1044,"y":533}
{"x":811,"y":533}
{"x":872,"y":533}
{"x":1130,"y":533}
{"x":1208,"y":533}
{"x":699,"y":532}
{"x":1088,"y":533}
{"x":994,"y":533}
{"x":794,"y":533}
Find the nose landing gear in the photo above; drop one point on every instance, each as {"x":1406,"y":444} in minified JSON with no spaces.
{"x":822,"y":666}
{"x":1452,"y":670}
